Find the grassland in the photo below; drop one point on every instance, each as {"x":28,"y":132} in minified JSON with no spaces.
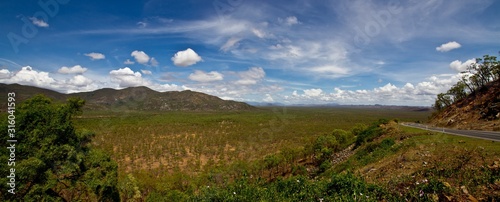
{"x":428,"y":166}
{"x":184,"y":151}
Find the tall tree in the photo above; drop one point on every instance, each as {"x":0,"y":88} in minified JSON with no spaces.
{"x":475,"y":78}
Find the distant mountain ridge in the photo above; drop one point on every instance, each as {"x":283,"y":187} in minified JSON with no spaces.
{"x":133,"y":98}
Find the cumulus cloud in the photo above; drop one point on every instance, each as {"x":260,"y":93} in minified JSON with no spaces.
{"x":125,"y":77}
{"x":129,"y":62}
{"x":4,"y":73}
{"x":166,"y":87}
{"x":80,"y":81}
{"x":448,"y":46}
{"x":251,"y":77}
{"x":291,"y":20}
{"x":313,"y":92}
{"x":268,"y":98}
{"x":409,"y":94}
{"x":77,"y":69}
{"x":28,"y":76}
{"x":457,"y":65}
{"x":186,"y":58}
{"x":120,"y":78}
{"x":388,"y":89}
{"x":95,"y":56}
{"x":38,"y":22}
{"x":140,"y":56}
{"x":202,"y":76}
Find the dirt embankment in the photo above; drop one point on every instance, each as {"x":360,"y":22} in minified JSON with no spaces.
{"x":478,"y":111}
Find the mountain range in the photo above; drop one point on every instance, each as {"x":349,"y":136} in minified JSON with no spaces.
{"x":132,"y":98}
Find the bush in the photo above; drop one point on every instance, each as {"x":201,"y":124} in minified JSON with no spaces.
{"x":387,"y":143}
{"x":170,"y":195}
{"x":342,"y":136}
{"x":325,"y":166}
{"x":324,"y":147}
{"x":57,"y":161}
{"x":347,"y":187}
{"x":368,"y":135}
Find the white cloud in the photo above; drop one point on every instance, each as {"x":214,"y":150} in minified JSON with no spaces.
{"x":422,"y":93}
{"x":258,"y":33}
{"x":313,"y":92}
{"x":77,"y":69}
{"x":230,"y":43}
{"x":120,"y":78}
{"x":292,"y":20}
{"x":80,"y":81}
{"x":146,"y":72}
{"x":129,"y":62}
{"x":252,"y":76}
{"x":39,"y":23}
{"x":165,"y":87}
{"x":448,"y":46}
{"x":95,"y":56}
{"x":330,"y":71}
{"x":4,"y":73}
{"x":457,"y":65}
{"x":388,"y":89}
{"x":186,"y":58}
{"x":154,"y":62}
{"x":125,"y":77}
{"x":28,"y":76}
{"x":140,"y":56}
{"x":268,"y":98}
{"x":202,"y":76}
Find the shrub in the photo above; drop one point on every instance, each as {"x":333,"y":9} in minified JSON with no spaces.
{"x":368,"y":135}
{"x":347,"y":186}
{"x":387,"y":143}
{"x":57,"y":161}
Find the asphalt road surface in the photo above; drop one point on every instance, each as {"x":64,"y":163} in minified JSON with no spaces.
{"x":487,"y":135}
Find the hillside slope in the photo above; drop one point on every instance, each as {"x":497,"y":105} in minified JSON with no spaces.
{"x":478,"y":111}
{"x":134,"y":98}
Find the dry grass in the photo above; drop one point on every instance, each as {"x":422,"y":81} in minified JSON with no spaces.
{"x":452,"y":161}
{"x":154,"y":147}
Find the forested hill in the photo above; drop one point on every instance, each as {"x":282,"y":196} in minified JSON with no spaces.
{"x":134,"y":98}
{"x":474,"y":102}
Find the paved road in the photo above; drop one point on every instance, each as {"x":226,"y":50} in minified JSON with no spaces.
{"x":487,"y":135}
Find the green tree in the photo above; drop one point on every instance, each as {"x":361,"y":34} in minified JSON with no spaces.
{"x":442,"y":101}
{"x":458,"y":91}
{"x":476,"y":77}
{"x":53,"y":160}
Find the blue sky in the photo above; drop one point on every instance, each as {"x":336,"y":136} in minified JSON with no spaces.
{"x":400,"y":52}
